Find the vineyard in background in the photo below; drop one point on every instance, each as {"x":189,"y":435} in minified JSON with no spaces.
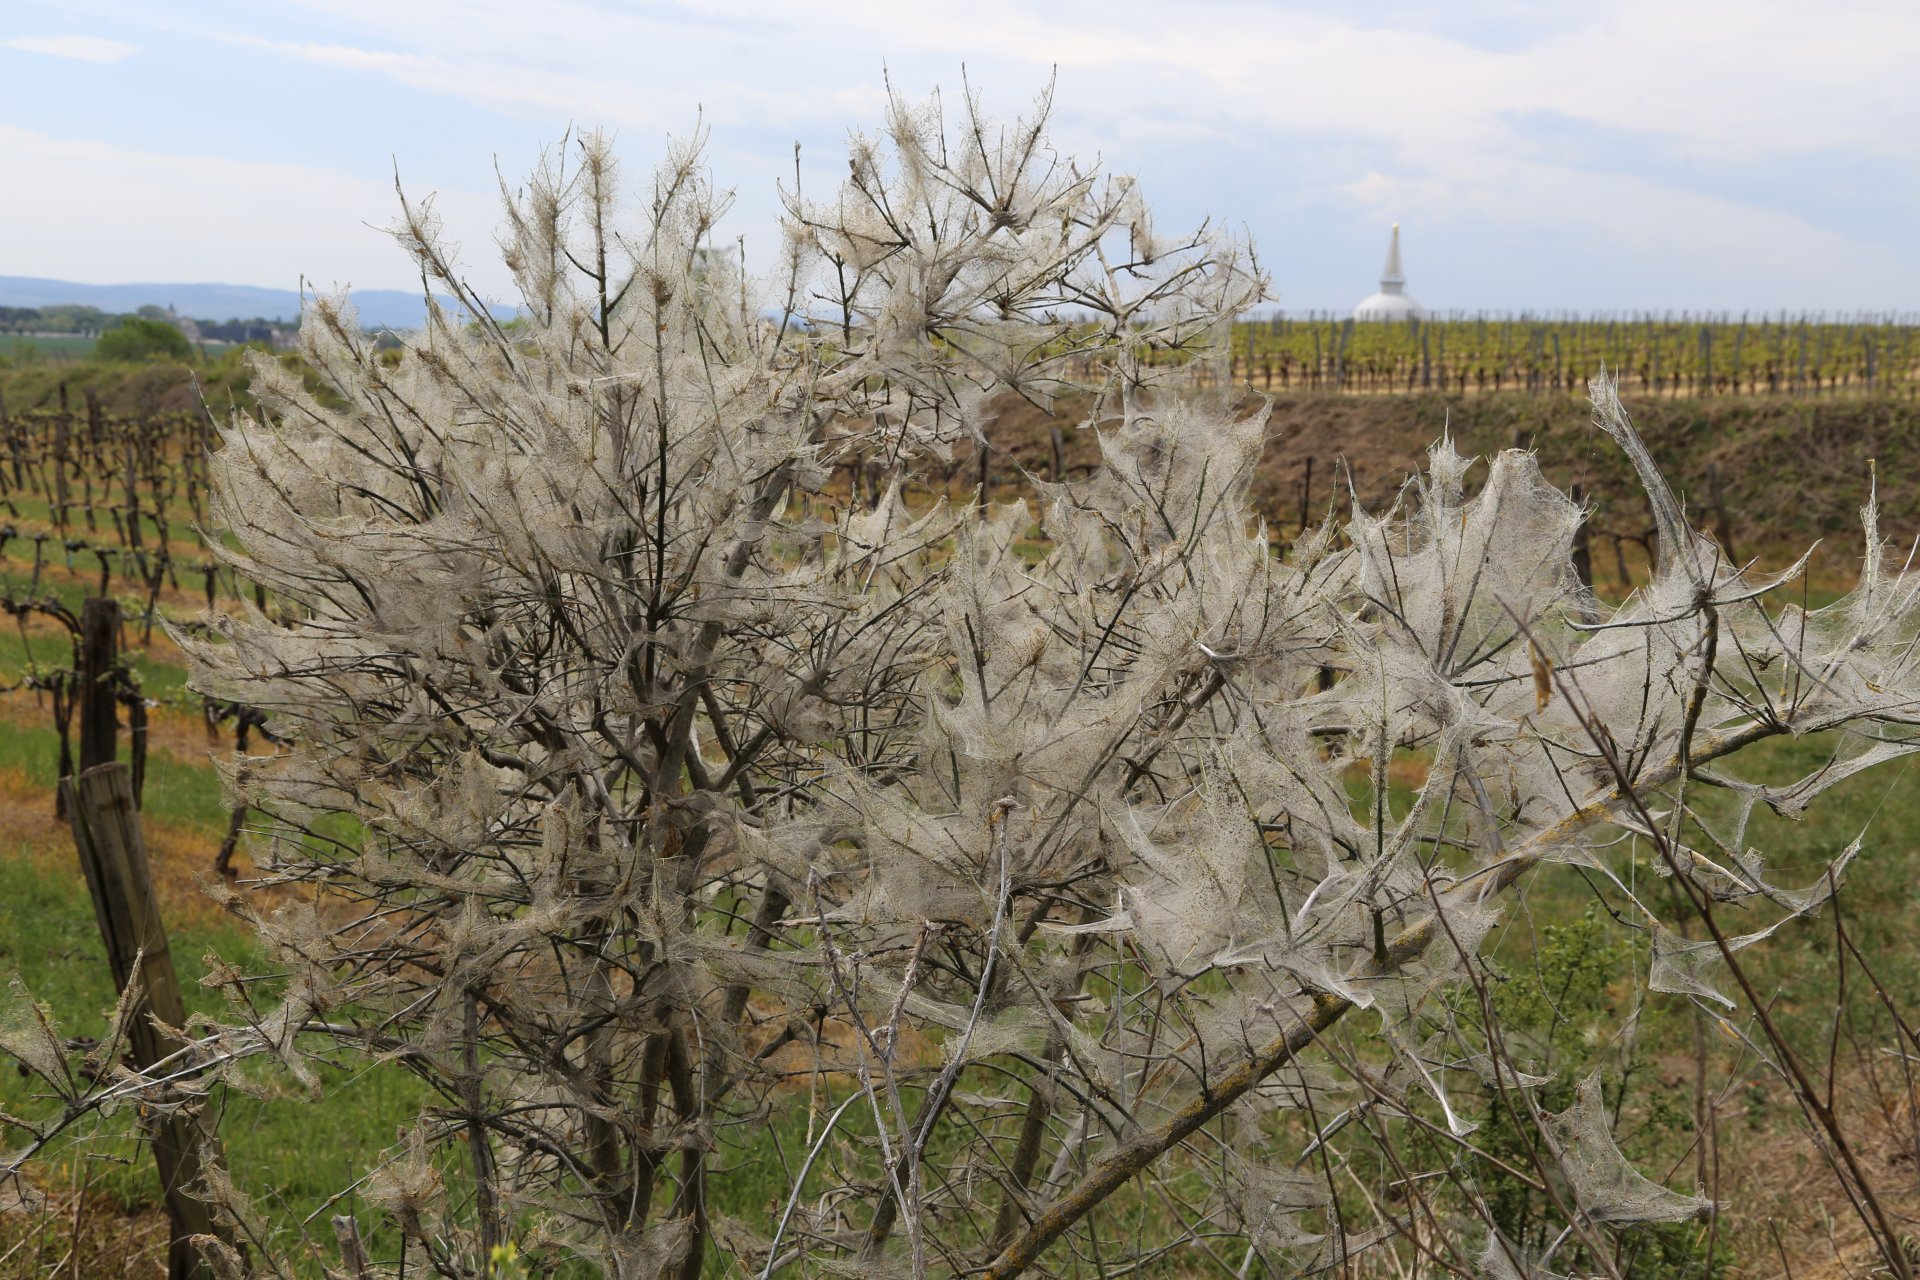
{"x":106,"y":757}
{"x":106,"y":499}
{"x":1652,"y":356}
{"x":1673,"y":356}
{"x":96,"y":507}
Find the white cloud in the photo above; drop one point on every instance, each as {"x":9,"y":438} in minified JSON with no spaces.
{"x":1409,"y":120}
{"x":493,"y":67}
{"x":128,"y":215}
{"x":1726,"y":78}
{"x":492,"y":80}
{"x":1642,"y":132}
{"x":1743,"y":74}
{"x":76,"y":48}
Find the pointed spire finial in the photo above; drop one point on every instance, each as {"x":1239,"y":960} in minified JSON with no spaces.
{"x":1393,"y":280}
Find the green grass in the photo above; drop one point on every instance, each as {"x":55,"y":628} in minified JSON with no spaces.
{"x":65,"y":347}
{"x":35,"y":512}
{"x":44,"y":650}
{"x":286,"y":1151}
{"x":186,"y":792}
{"x":289,"y":1153}
{"x":1882,"y":807}
{"x":71,"y":348}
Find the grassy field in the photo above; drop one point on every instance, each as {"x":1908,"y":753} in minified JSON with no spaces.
{"x":68,"y":349}
{"x":288,"y":1151}
{"x":61,"y":348}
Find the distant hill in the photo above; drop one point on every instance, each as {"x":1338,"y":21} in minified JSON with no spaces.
{"x":379,"y":308}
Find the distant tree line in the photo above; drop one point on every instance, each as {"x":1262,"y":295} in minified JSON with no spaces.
{"x":77,"y":319}
{"x":60,"y":319}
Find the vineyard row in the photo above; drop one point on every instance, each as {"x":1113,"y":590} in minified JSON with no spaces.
{"x":1650,"y":357}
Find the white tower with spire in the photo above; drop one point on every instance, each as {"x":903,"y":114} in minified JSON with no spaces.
{"x":1392,"y":302}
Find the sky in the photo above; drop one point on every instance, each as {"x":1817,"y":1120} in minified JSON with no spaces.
{"x":1606,"y":155}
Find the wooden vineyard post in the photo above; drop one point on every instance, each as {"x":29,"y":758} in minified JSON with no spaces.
{"x":13,"y":452}
{"x":131,"y":447}
{"x":1306,"y":496}
{"x":98,"y":680}
{"x":1583,"y":550}
{"x":99,"y":652}
{"x":96,"y":420}
{"x":106,"y":831}
{"x":986,"y":454}
{"x":1719,"y":500}
{"x":62,"y":501}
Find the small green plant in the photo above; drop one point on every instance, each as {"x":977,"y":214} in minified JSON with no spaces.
{"x":1560,"y":1014}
